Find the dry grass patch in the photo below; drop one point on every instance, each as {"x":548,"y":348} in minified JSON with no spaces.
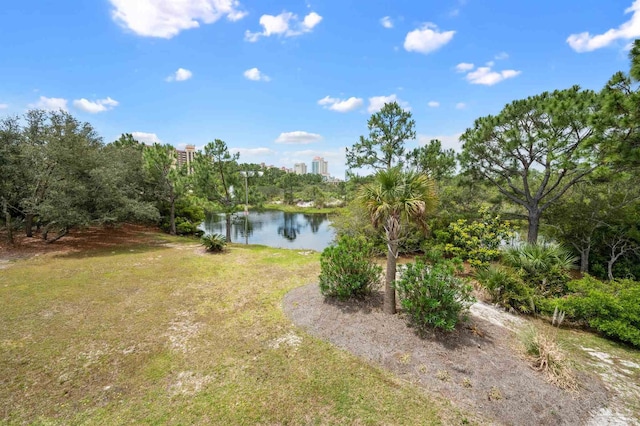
{"x":547,"y":357}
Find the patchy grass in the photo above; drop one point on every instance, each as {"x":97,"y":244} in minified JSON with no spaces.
{"x":618,"y":366}
{"x":164,"y":333}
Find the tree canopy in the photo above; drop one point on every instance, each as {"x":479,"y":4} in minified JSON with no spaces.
{"x":536,"y":149}
{"x":389,"y":128}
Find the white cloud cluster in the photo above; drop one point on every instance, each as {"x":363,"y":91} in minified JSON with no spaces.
{"x":298,"y":138}
{"x":501,"y":56}
{"x":4,"y":106}
{"x":96,"y":106}
{"x":286,"y":24}
{"x":585,"y":42}
{"x":167,"y":18}
{"x":433,"y":104}
{"x":485,"y":75}
{"x":386,"y":22}
{"x":255,"y":74}
{"x":427,"y":39}
{"x":461,"y":105}
{"x":50,"y":104}
{"x":146,"y":138}
{"x":180,"y":75}
{"x":377,"y":102}
{"x":341,"y":105}
{"x":464,"y":67}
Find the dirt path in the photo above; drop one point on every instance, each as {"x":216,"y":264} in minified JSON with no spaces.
{"x":477,"y":367}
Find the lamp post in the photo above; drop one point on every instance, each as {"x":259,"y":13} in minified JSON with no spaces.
{"x":246,"y":174}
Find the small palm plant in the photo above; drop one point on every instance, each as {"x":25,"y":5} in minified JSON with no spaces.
{"x":394,"y":199}
{"x":214,"y":242}
{"x":546,"y":266}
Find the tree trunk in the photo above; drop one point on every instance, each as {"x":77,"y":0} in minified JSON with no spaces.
{"x":228,"y":226}
{"x":28,"y":224}
{"x":172,"y":216}
{"x":610,"y":263}
{"x":389,"y":289}
{"x":534,"y":226}
{"x":621,"y":246}
{"x":61,"y":234}
{"x":391,"y":230}
{"x":7,"y":221}
{"x":584,"y":260}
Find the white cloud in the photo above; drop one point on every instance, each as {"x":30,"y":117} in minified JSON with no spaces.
{"x":311,"y":20}
{"x":377,"y":102}
{"x":341,"y":105}
{"x":298,"y":137}
{"x":256,"y":75}
{"x":166,"y":18}
{"x":501,"y":56}
{"x":448,"y":141}
{"x":4,"y":106}
{"x":94,"y":107}
{"x":50,"y":104}
{"x":286,"y":24}
{"x":386,"y":22}
{"x":464,"y":67}
{"x":427,"y":39}
{"x":461,"y":105}
{"x":585,"y":42}
{"x":488,"y":77}
{"x":434,"y":104}
{"x":146,"y":138}
{"x":180,"y":75}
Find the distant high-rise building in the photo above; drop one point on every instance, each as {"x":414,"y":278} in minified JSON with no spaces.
{"x":186,"y":156}
{"x":300,"y":168}
{"x":319,"y":166}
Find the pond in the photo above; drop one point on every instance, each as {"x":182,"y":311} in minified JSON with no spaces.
{"x":311,"y":231}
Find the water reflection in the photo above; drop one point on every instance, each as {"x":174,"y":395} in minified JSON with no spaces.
{"x":276,"y":229}
{"x":290,"y":228}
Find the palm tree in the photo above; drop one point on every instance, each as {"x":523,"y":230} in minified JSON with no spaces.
{"x":396,"y":197}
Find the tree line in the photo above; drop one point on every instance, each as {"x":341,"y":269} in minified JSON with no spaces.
{"x":562,"y":163}
{"x":58,"y":175}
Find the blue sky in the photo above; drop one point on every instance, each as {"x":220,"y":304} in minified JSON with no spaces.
{"x":284,"y":81}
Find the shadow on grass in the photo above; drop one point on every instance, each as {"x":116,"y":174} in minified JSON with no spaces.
{"x":113,"y":250}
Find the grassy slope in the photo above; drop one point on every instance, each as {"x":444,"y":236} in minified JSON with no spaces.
{"x":152,"y":334}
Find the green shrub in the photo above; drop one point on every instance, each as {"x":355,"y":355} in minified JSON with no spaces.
{"x":544,"y":267}
{"x":432,"y":295}
{"x":214,"y":242}
{"x":347,"y":269}
{"x":507,"y":288}
{"x":477,"y":242}
{"x":612,"y":308}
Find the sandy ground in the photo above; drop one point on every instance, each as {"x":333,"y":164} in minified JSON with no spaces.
{"x":477,"y":367}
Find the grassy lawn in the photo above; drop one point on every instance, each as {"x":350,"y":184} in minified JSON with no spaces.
{"x":163,"y":333}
